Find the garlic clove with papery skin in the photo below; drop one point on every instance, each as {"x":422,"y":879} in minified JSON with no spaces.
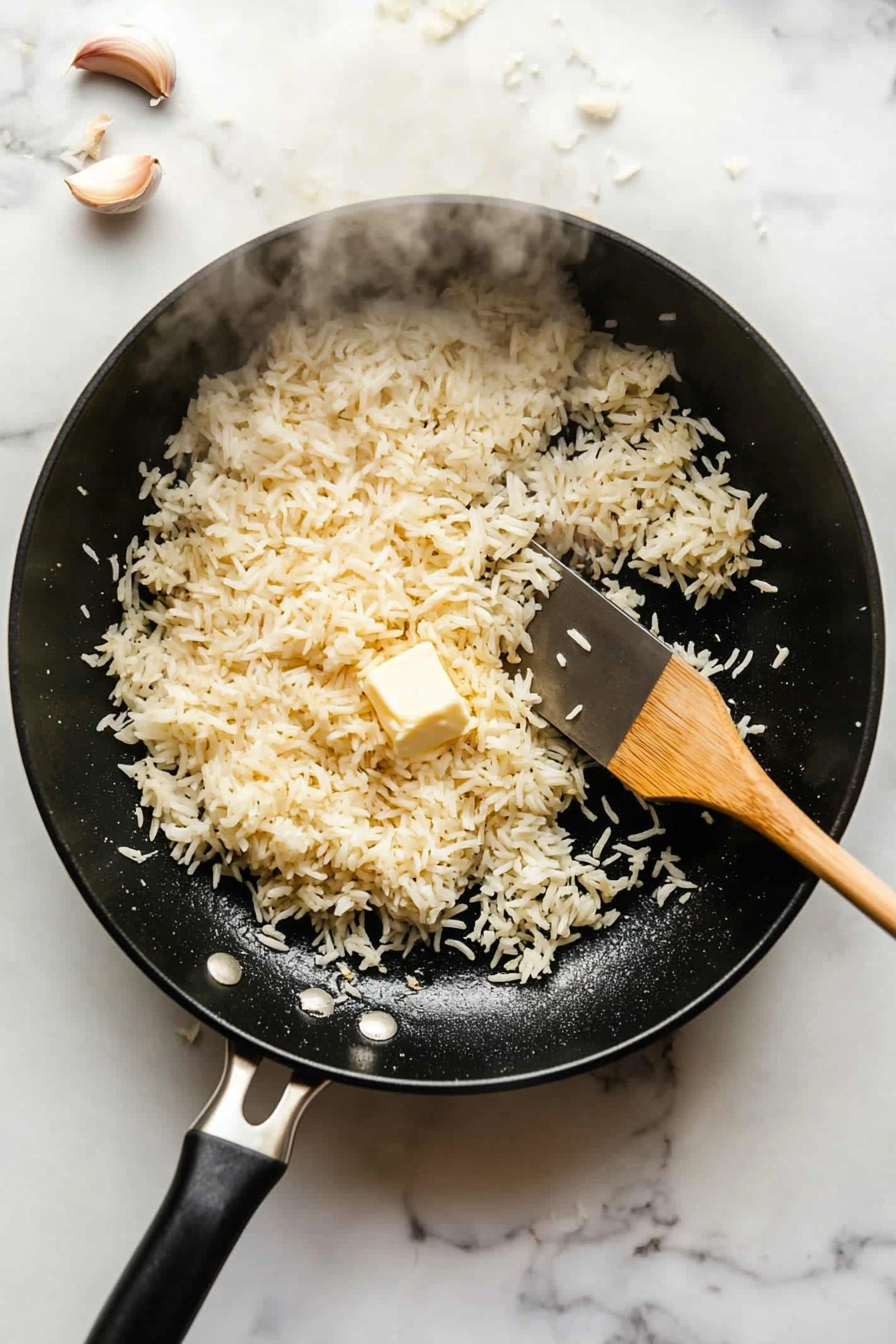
{"x":117,"y":186}
{"x":130,"y":53}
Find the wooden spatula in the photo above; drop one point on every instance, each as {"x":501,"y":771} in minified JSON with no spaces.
{"x":665,"y":731}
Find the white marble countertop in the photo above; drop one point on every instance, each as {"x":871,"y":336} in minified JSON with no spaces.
{"x":736,"y":1185}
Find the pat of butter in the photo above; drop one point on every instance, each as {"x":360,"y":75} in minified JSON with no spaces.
{"x":415,"y":701}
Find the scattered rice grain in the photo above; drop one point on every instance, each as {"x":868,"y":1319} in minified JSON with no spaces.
{"x":611,"y":815}
{"x":275,"y":944}
{"x":134,"y":854}
{"x":460,"y":947}
{"x":742,"y":666}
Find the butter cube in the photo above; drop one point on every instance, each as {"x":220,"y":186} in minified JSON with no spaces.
{"x":415,"y":701}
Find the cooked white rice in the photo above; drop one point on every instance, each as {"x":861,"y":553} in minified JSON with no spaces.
{"x":364,"y":483}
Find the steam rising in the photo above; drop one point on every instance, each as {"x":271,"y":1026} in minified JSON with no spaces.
{"x":337,"y":260}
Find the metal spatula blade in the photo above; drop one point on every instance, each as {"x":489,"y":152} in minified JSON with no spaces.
{"x":611,"y":682}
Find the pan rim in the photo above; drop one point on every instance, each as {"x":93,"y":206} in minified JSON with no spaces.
{"x":773,"y":933}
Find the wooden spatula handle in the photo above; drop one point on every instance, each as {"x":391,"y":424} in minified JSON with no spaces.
{"x":783,"y":822}
{"x":684,"y":745}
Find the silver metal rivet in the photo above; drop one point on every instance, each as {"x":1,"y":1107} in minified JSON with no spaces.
{"x":377,"y":1026}
{"x":317,"y":1002}
{"x":224,"y":968}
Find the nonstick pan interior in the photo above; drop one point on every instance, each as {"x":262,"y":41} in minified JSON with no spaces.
{"x":610,"y":992}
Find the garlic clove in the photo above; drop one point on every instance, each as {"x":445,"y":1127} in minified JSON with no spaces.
{"x":130,"y":53}
{"x":117,"y":186}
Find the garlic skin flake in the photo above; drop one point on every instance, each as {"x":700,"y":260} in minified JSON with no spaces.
{"x":130,"y":53}
{"x":90,"y":146}
{"x":117,"y":186}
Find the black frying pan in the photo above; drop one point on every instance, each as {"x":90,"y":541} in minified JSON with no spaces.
{"x":609,"y":994}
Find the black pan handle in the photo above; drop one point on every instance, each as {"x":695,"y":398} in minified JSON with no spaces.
{"x":227,"y":1166}
{"x":217,"y":1187}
